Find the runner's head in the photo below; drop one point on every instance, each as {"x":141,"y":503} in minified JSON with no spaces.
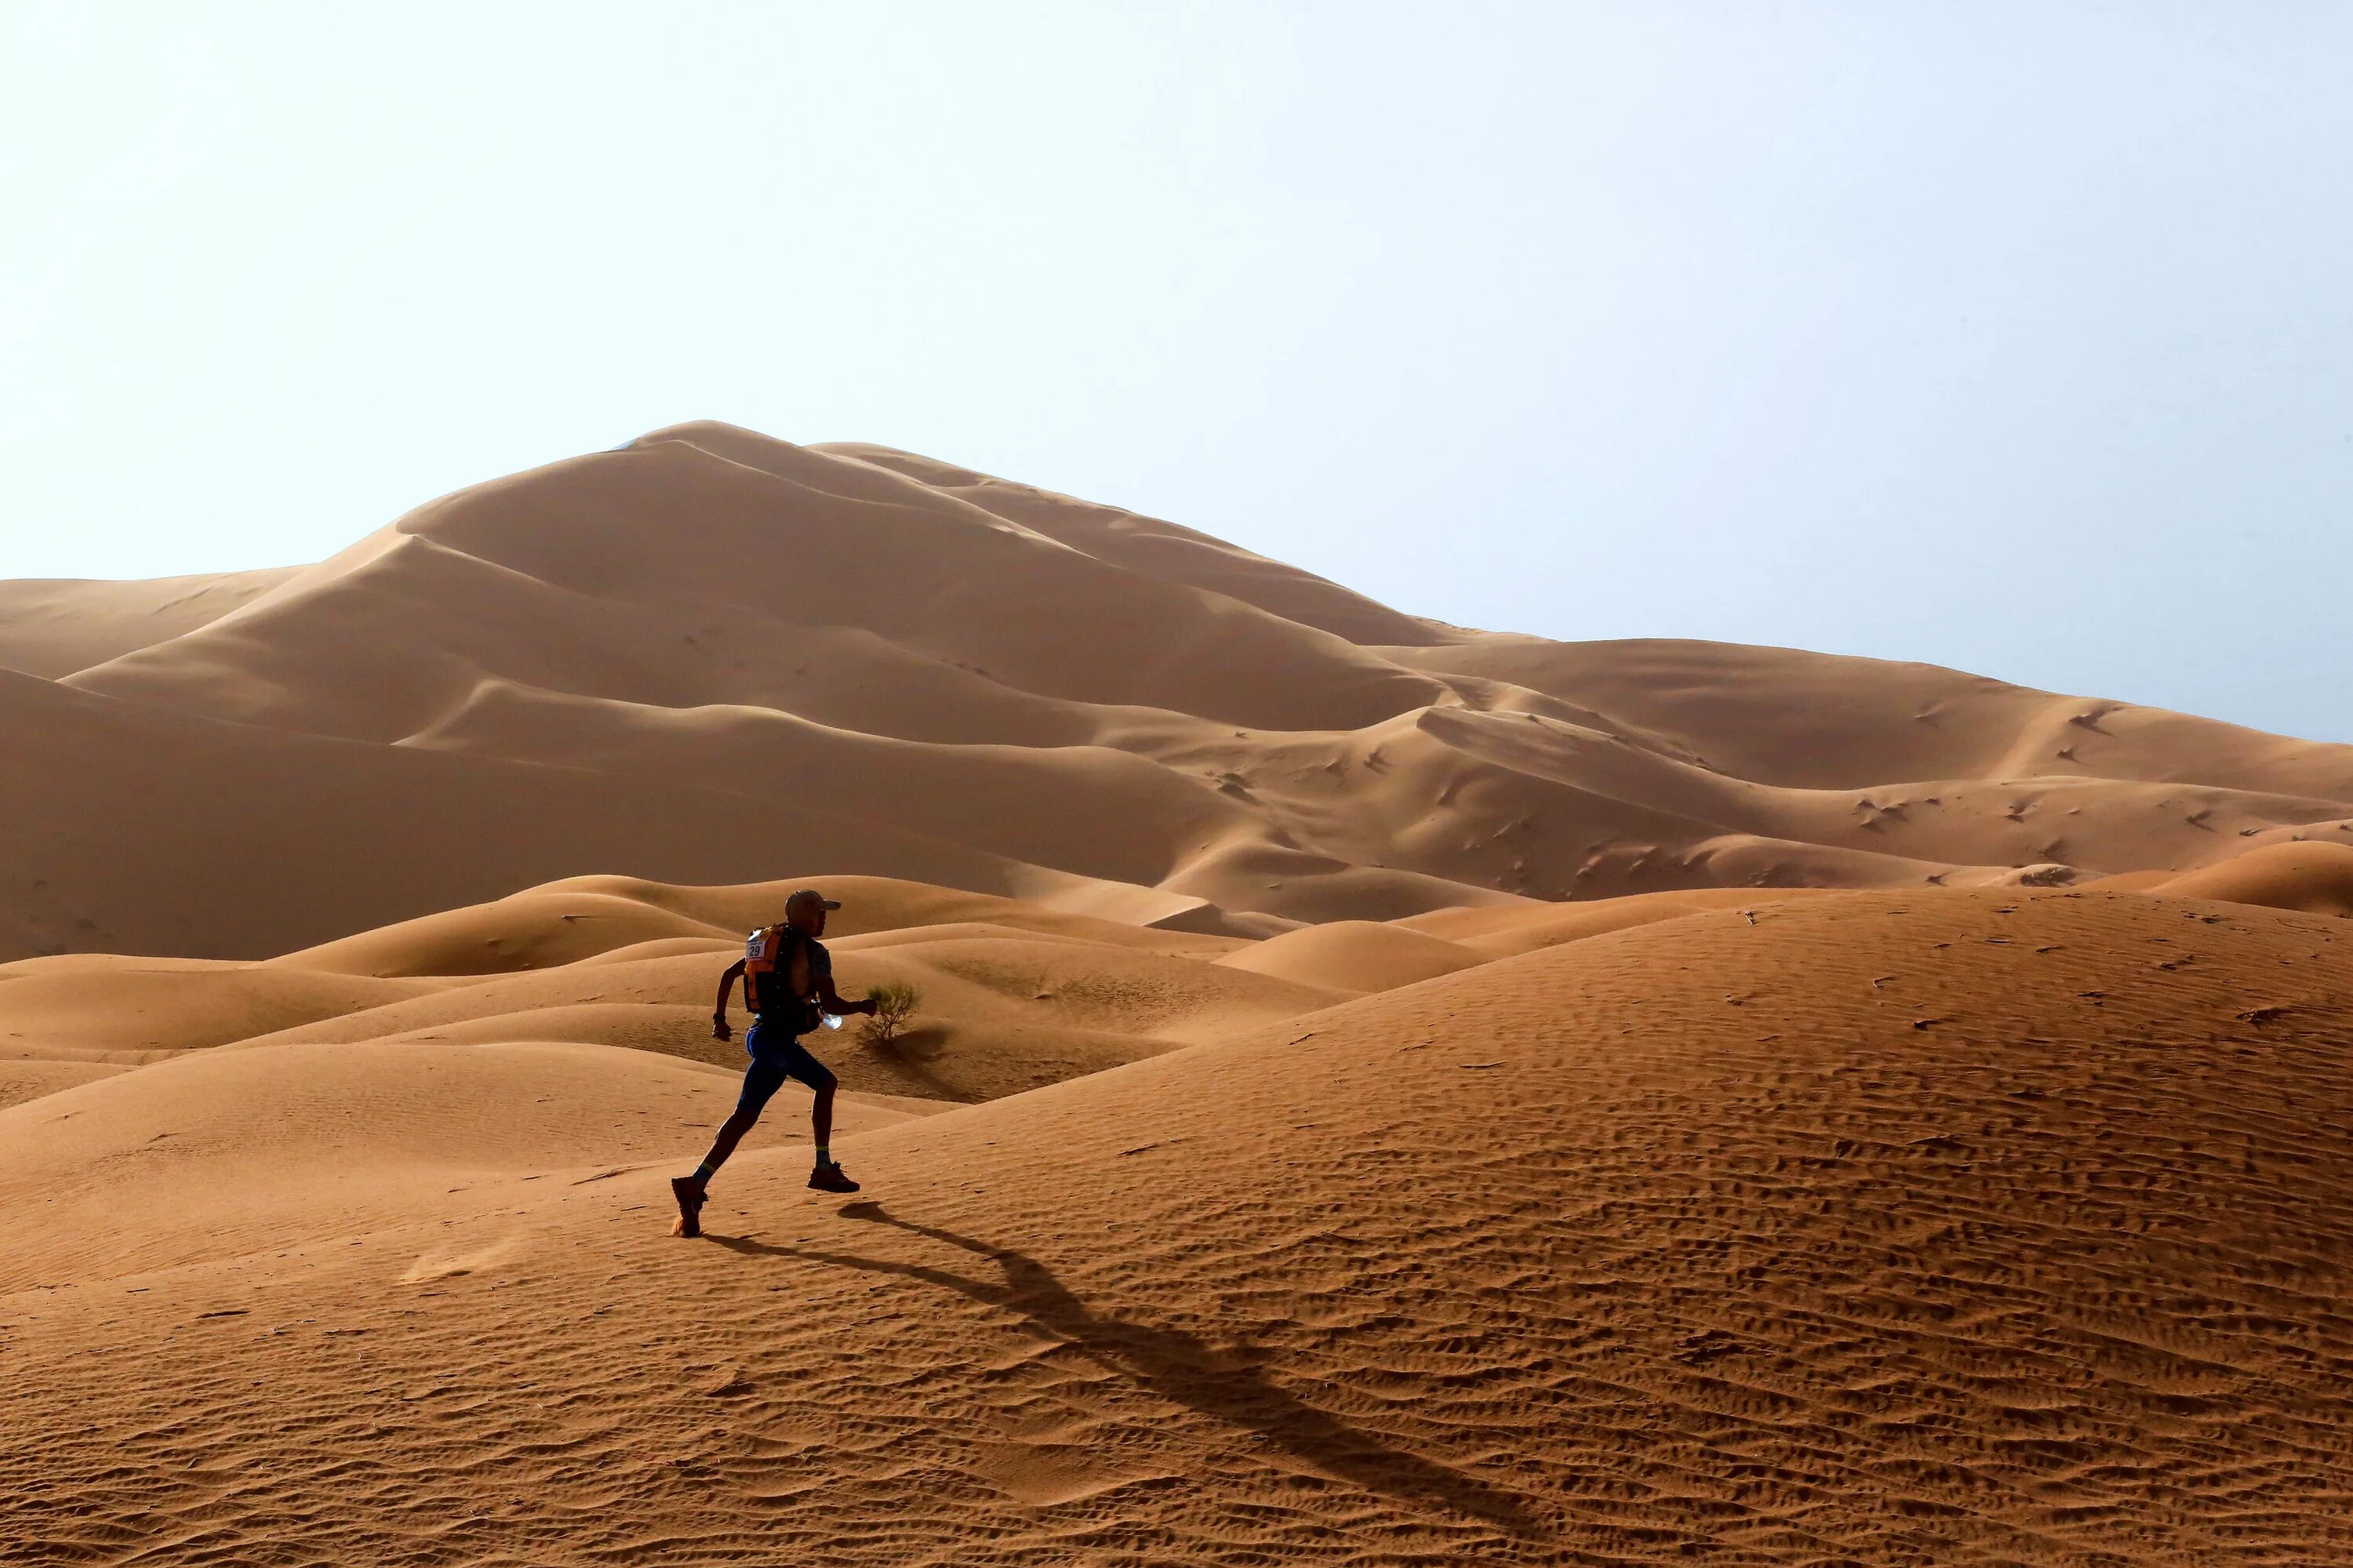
{"x":804,"y":911}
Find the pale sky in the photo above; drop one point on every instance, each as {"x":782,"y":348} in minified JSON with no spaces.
{"x":2018,"y":338}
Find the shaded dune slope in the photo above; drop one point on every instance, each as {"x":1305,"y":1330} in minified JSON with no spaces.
{"x":1964,"y":1227}
{"x":147,"y":829}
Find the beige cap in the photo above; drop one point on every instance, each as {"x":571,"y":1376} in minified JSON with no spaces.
{"x":806,"y":897}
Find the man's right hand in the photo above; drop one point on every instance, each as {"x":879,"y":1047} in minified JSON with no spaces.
{"x":719,"y":1026}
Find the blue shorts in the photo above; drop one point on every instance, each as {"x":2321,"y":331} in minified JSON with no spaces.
{"x":773,"y":1061}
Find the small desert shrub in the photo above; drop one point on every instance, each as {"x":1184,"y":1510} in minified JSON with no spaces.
{"x":894,"y":1004}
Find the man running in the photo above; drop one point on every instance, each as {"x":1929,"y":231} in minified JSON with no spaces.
{"x":786,"y":1002}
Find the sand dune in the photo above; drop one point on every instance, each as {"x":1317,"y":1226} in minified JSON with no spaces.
{"x":1382,"y":1093}
{"x":1141,"y":545}
{"x":1503,"y":933}
{"x":137,"y":1009}
{"x":1946,"y":1226}
{"x":1891,"y":721}
{"x":1016,"y":994}
{"x":1000,"y":1014}
{"x":1041,"y":688}
{"x":268,"y":841}
{"x":53,"y":628}
{"x":234,"y":1152}
{"x":536,"y":928}
{"x":1354,"y":955}
{"x":30,"y":1078}
{"x":2316,"y":877}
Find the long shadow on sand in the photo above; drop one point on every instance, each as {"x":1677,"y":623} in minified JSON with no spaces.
{"x":1182,"y":1368}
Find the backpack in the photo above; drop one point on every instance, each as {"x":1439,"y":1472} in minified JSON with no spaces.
{"x":767,"y":958}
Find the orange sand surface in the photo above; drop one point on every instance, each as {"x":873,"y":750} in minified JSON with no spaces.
{"x":1941,"y":1227}
{"x":1381,"y":1093}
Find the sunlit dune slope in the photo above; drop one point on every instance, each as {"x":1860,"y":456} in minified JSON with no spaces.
{"x":1354,"y":955}
{"x":1955,"y":1227}
{"x":104,"y":1008}
{"x":709,"y":655}
{"x":999,"y":1013}
{"x":1523,"y":928}
{"x":577,"y":918}
{"x":2315,"y":878}
{"x":1015,"y":993}
{"x":223,"y":1153}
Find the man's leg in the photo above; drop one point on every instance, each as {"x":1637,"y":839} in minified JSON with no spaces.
{"x":761,"y":1081}
{"x":824,"y":1175}
{"x":740,"y":1120}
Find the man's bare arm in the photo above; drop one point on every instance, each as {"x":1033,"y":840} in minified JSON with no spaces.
{"x":833,"y":1003}
{"x":726,"y":989}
